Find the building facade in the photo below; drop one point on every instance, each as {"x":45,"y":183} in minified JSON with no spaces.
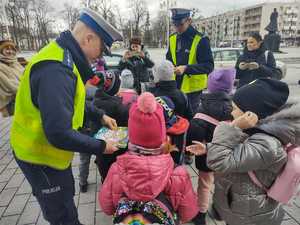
{"x":232,"y":28}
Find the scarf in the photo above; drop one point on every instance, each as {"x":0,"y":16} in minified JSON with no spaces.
{"x":66,"y":40}
{"x":8,"y":60}
{"x":252,"y":55}
{"x":10,"y":73}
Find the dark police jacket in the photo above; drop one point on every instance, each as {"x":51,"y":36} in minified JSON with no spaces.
{"x":205,"y":61}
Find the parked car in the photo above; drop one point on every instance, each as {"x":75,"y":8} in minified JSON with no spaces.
{"x":227,"y":58}
{"x":111,"y":61}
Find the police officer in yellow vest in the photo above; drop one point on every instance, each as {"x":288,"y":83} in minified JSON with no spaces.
{"x":191,"y":54}
{"x":50,"y":108}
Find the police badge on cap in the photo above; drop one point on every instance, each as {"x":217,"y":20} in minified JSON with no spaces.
{"x":179,"y":14}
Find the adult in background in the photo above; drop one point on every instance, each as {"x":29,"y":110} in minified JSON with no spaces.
{"x":138,"y":62}
{"x":191,"y":55}
{"x":50,"y":108}
{"x":10,"y":73}
{"x":255,"y":62}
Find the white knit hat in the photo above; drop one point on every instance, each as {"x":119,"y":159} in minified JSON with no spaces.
{"x":127,"y":80}
{"x":163,"y":71}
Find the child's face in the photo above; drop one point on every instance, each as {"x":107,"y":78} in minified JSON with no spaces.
{"x":236,"y":112}
{"x":136,"y":47}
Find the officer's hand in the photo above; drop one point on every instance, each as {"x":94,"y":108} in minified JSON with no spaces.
{"x":111,"y":147}
{"x":179,"y":70}
{"x":109,"y":122}
{"x":246,"y":121}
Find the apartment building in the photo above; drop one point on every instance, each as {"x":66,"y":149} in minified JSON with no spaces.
{"x":232,"y":27}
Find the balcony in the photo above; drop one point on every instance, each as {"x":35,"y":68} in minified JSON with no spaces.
{"x":289,"y":27}
{"x":289,"y":19}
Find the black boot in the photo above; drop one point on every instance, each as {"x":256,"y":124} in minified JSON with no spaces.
{"x":83,"y":188}
{"x":188,"y":159}
{"x":200,"y":219}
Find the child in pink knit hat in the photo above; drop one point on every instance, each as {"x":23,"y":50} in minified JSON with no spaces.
{"x":143,"y":185}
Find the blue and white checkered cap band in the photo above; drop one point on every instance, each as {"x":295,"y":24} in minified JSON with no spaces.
{"x":99,"y":25}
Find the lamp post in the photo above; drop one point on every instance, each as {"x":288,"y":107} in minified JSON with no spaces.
{"x":168,"y":4}
{"x":233,"y":32}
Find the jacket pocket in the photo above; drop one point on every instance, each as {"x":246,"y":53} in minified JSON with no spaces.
{"x":221,"y":195}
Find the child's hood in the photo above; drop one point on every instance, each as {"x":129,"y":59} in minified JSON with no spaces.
{"x":285,"y":124}
{"x":144,"y":177}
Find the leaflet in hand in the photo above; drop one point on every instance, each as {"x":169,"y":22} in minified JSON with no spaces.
{"x":119,"y":136}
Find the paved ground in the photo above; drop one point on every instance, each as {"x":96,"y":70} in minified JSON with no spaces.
{"x":18,"y":206}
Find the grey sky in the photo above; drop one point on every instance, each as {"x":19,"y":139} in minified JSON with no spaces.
{"x":207,"y":7}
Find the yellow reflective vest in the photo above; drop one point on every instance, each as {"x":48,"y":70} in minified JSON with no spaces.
{"x":28,"y":138}
{"x":190,"y":83}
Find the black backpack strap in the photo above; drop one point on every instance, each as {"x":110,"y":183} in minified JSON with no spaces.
{"x":186,"y":100}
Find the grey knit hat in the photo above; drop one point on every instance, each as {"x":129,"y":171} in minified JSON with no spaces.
{"x":127,"y":81}
{"x":163,"y":71}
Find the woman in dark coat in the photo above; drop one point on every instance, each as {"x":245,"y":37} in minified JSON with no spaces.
{"x":137,"y":61}
{"x":255,"y":62}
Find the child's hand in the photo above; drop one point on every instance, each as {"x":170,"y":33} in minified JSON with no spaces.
{"x":197,"y":149}
{"x":246,"y":121}
{"x":168,"y":148}
{"x":142,"y":54}
{"x":110,"y":147}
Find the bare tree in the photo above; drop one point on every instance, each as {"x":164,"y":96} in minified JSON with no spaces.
{"x":120,"y":19}
{"x":71,"y":15}
{"x":41,"y":10}
{"x":139,"y":11}
{"x":106,"y":9}
{"x":12,"y":14}
{"x":159,"y":29}
{"x":147,"y":31}
{"x":29,"y":22}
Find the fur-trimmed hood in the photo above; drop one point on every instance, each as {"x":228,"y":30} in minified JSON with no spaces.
{"x":285,"y":124}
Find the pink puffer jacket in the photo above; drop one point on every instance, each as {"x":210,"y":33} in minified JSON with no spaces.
{"x":144,"y":178}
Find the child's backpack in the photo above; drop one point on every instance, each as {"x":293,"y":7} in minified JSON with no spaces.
{"x":157,"y":211}
{"x":176,"y":128}
{"x":287,"y":183}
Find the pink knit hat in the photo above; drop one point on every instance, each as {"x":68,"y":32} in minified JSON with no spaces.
{"x":146,"y":124}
